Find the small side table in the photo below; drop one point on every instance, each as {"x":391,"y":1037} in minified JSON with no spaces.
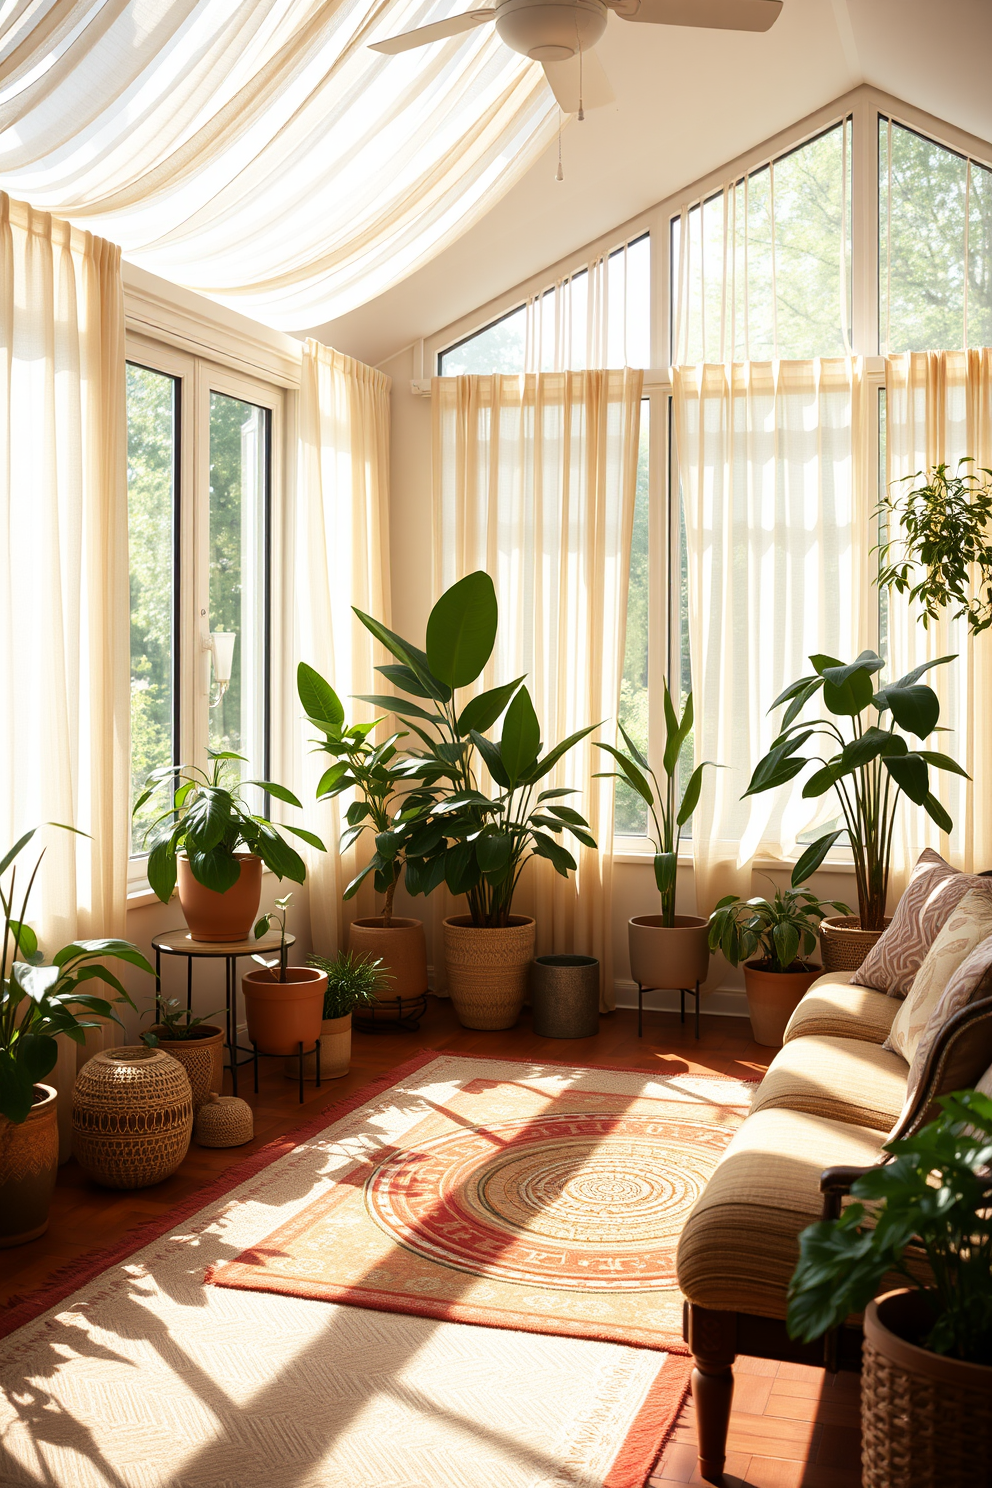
{"x":181,"y":943}
{"x":683,"y":991}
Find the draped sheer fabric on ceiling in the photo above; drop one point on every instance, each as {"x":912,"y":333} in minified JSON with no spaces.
{"x":342,"y":560}
{"x":534,"y":482}
{"x":258,"y":151}
{"x":64,"y":625}
{"x":938,"y":409}
{"x":773,"y":489}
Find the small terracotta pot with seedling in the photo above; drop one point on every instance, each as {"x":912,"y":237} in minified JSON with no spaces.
{"x":352,"y":982}
{"x":283,"y":1004}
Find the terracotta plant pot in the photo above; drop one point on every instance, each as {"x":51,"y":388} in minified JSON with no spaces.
{"x":132,"y":1116}
{"x":220,"y":917}
{"x":487,"y":970}
{"x":843,"y":943}
{"x":772,"y":998}
{"x":335,"y":1053}
{"x":926,"y":1419}
{"x":401,"y":948}
{"x":281,"y":1015}
{"x":671,"y":956}
{"x":29,"y":1161}
{"x":201,"y":1056}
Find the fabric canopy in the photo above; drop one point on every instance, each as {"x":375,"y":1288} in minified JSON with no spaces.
{"x":258,"y":152}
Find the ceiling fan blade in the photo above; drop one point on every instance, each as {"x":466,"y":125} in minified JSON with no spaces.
{"x":718,"y":15}
{"x":564,"y":80}
{"x":436,"y":32}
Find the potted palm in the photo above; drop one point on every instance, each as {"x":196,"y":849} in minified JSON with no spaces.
{"x":774,"y":938}
{"x":195,"y":1043}
{"x":283,"y":1003}
{"x":352,"y":982}
{"x":38,"y":1002}
{"x":666,"y":949}
{"x":925,"y":1216}
{"x":211,"y":842}
{"x":866,"y":760}
{"x":476,"y":842}
{"x":384,"y":803}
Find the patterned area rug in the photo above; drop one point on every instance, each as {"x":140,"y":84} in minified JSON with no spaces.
{"x":133,"y":1373}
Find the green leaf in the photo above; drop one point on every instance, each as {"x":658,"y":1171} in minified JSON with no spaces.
{"x":24,"y":939}
{"x":480,"y":713}
{"x":493,"y":851}
{"x":9,"y":857}
{"x":162,"y":871}
{"x":208,"y":819}
{"x":491,"y":754}
{"x":277,"y":854}
{"x":461,"y":630}
{"x":672,"y":739}
{"x":559,"y":857}
{"x":775,"y":769}
{"x":406,"y":653}
{"x":461,"y":869}
{"x":279,"y":791}
{"x":568,"y":814}
{"x":942,"y":762}
{"x":405,"y":678}
{"x":632,"y":774}
{"x":546,"y":765}
{"x":814,"y":856}
{"x":356,"y":882}
{"x":320,"y":701}
{"x":911,"y":775}
{"x":918,"y":672}
{"x":936,"y":813}
{"x":822,"y":780}
{"x":809,"y":688}
{"x":520,"y":742}
{"x":335,"y":778}
{"x":690,"y":799}
{"x":820,"y":663}
{"x":638,"y":758}
{"x":217,"y":868}
{"x":37,"y":1054}
{"x":846,"y":698}
{"x":16,"y":1093}
{"x":861,"y":751}
{"x":665,"y":871}
{"x":310,"y":838}
{"x":915,"y":709}
{"x":397,"y":705}
{"x":785,"y":938}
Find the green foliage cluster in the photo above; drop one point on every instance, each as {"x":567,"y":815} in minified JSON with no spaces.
{"x":38,"y":1002}
{"x":942,"y":527}
{"x":932,"y":1203}
{"x":781,"y":931}
{"x":178,"y":1021}
{"x":352,"y":981}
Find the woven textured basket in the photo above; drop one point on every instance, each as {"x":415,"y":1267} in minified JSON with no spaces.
{"x":843,"y":943}
{"x":202,"y":1058}
{"x":132,"y":1116}
{"x":926,"y":1420}
{"x":487,"y":970}
{"x":224,"y":1121}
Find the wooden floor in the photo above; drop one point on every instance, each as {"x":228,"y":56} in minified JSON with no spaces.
{"x":791,"y":1425}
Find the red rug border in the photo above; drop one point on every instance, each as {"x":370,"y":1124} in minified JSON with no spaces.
{"x":20,"y":1310}
{"x":653,"y":1425}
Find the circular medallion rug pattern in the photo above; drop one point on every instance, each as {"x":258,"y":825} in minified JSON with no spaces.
{"x":592,"y":1202}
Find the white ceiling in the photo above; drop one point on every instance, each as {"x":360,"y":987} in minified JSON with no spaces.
{"x":688,"y":101}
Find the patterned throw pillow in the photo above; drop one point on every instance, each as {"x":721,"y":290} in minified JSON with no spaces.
{"x":968,"y":925}
{"x":971,"y":981}
{"x":934,"y":890}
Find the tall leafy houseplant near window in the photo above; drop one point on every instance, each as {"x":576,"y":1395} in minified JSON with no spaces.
{"x":666,"y":950}
{"x":866,"y":759}
{"x":476,"y":843}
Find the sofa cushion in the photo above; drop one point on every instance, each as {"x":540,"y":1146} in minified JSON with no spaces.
{"x":843,"y":1079}
{"x":971,"y":982}
{"x":835,"y":1007}
{"x":935,"y":888}
{"x":740,"y":1244}
{"x":968,"y":924}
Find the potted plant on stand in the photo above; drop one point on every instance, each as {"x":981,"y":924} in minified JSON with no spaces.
{"x":870,"y":765}
{"x":214,"y":845}
{"x":197,"y":1044}
{"x":476,"y":843}
{"x":774,"y":938}
{"x":39,"y":1002}
{"x":388,"y":806}
{"x":352,"y":982}
{"x":924,"y":1215}
{"x":283,"y":1004}
{"x":666,"y":949}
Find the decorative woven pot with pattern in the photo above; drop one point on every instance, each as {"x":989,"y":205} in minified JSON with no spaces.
{"x":926,"y":1419}
{"x":843,"y":943}
{"x":335,"y":1053}
{"x":132,"y":1116}
{"x":201,"y":1056}
{"x":29,"y":1160}
{"x":488,"y":969}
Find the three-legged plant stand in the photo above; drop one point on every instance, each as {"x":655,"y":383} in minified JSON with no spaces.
{"x":258,"y":1053}
{"x":683,"y":993}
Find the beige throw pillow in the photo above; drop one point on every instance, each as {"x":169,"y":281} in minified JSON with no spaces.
{"x":971,"y":981}
{"x":934,"y":890}
{"x":967,"y":926}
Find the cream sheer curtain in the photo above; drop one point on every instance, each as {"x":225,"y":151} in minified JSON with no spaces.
{"x":770,"y":456}
{"x":534,"y":481}
{"x":939,"y":408}
{"x":258,"y":151}
{"x":342,"y":560}
{"x":64,"y":625}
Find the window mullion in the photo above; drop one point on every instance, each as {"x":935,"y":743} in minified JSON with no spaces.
{"x":196,"y":607}
{"x":864,"y":227}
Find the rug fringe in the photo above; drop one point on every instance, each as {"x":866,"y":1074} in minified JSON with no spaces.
{"x":653,"y":1426}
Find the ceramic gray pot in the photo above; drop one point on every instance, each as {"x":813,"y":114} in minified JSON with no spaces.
{"x":564,"y":996}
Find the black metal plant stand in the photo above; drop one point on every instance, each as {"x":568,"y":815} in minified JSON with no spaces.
{"x":258,"y":1053}
{"x":683,"y":992}
{"x":389,"y":1013}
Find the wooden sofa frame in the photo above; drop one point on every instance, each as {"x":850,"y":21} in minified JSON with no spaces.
{"x":959,"y":1057}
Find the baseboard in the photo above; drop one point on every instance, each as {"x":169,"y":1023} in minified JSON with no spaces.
{"x":725,"y":1002}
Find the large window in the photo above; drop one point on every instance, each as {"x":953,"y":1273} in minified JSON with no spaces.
{"x":200,"y":465}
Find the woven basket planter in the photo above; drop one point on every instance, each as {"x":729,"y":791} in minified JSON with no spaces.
{"x":201,"y":1056}
{"x":926,"y":1420}
{"x":132,"y":1116}
{"x":843,"y":943}
{"x":335,"y":1053}
{"x":487,"y":970}
{"x":29,"y":1161}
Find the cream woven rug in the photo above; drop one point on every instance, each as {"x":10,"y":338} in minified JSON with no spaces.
{"x":146,"y":1376}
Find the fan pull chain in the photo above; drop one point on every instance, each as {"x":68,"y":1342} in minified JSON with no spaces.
{"x":582,"y":112}
{"x":559,"y":173}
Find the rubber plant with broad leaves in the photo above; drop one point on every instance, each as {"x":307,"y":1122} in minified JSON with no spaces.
{"x":39,"y":1001}
{"x":668,"y":814}
{"x":209,"y":818}
{"x":868,"y":762}
{"x":386,"y":803}
{"x":781,"y":932}
{"x":476,"y":843}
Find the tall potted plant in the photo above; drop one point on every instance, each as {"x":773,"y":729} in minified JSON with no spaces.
{"x":666,"y":949}
{"x":866,"y":760}
{"x":38,"y":1002}
{"x":475,"y":842}
{"x":386,"y":802}
{"x":212,"y":842}
{"x":926,"y":1216}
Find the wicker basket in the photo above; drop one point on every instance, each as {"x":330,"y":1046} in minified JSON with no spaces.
{"x":132,"y":1116}
{"x":224,"y":1121}
{"x":487,"y":970}
{"x":843,"y":943}
{"x":926,"y":1420}
{"x":202,"y":1057}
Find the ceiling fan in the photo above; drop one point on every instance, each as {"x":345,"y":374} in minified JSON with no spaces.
{"x":560,"y":33}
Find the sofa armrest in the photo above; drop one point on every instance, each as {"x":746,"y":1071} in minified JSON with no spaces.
{"x":835,"y":1184}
